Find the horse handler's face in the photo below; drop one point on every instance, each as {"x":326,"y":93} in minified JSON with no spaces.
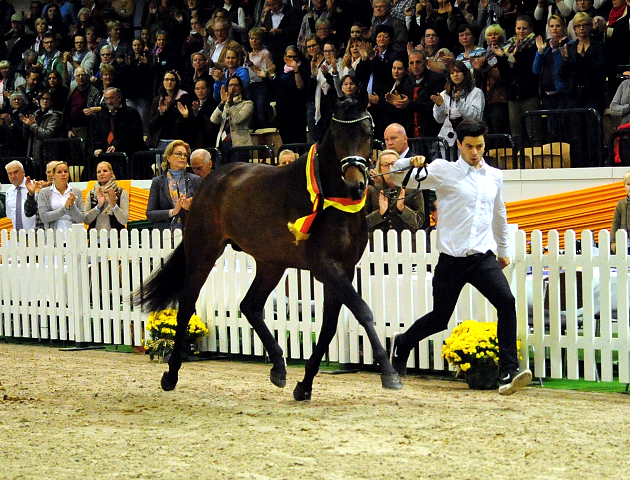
{"x":471,"y":150}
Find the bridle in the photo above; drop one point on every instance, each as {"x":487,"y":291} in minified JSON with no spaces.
{"x":361,"y":163}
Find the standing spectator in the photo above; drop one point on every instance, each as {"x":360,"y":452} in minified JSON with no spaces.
{"x":438,"y":58}
{"x":13,"y":142}
{"x":316,"y":10}
{"x":41,"y":28}
{"x":32,"y":87}
{"x":58,"y":90}
{"x":18,"y":39}
{"x":325,"y":92}
{"x":522,"y":82}
{"x":16,"y":196}
{"x":50,"y":58}
{"x":467,"y":41}
{"x":120,"y":48}
{"x":425,"y":83}
{"x":60,"y":205}
{"x":233,"y":115}
{"x":583,"y":67}
{"x":75,"y":122}
{"x":7,"y":83}
{"x":67,"y":12}
{"x":617,"y":34}
{"x":382,"y":16}
{"x":107,"y":205}
{"x":236,"y":16}
{"x":35,"y":12}
{"x":137,"y":81}
{"x":459,"y":100}
{"x":172,"y":192}
{"x":192,"y":45}
{"x":233,"y":66}
{"x":490,"y":73}
{"x":43,"y":124}
{"x":165,"y":57}
{"x":585,"y":6}
{"x":171,"y":113}
{"x":282,"y":25}
{"x":620,"y":104}
{"x":290,"y":86}
{"x":57,"y":26}
{"x":472,"y":224}
{"x":261,"y":67}
{"x":80,"y":56}
{"x":222,"y":43}
{"x":200,"y":71}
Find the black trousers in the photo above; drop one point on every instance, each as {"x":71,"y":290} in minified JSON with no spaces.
{"x":483,"y":272}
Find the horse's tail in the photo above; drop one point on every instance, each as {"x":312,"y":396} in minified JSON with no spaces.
{"x":162,"y":289}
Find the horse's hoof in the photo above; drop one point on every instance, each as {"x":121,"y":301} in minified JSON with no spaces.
{"x":391,"y":381}
{"x":300,"y":393}
{"x":279,"y":379}
{"x":166,"y":384}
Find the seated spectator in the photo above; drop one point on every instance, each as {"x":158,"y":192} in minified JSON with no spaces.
{"x":172,"y":192}
{"x":285,"y":157}
{"x":45,"y":123}
{"x":459,"y":100}
{"x":261,"y":67}
{"x":107,"y":205}
{"x":620,"y":217}
{"x":388,"y":206}
{"x":60,"y":205}
{"x":116,"y":128}
{"x":290,"y":88}
{"x":201,"y":162}
{"x":233,"y":115}
{"x":16,"y":196}
{"x":620,"y":104}
{"x":171,"y":113}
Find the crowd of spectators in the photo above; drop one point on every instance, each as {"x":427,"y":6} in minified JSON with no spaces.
{"x":79,"y":68}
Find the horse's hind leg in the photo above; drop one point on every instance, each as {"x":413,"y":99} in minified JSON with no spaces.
{"x":197,"y":270}
{"x":332,"y":306}
{"x":252,"y":306}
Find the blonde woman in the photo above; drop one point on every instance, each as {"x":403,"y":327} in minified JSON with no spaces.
{"x":107,"y":205}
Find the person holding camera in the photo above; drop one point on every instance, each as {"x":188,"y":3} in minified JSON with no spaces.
{"x":459,"y":100}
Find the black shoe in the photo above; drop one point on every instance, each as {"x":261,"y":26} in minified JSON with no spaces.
{"x":513,"y":381}
{"x":398,"y":357}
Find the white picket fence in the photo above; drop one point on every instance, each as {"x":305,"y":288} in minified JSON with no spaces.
{"x":572,"y":308}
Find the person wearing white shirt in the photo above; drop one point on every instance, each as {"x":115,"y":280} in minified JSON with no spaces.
{"x":60,"y":205}
{"x":473,"y":223}
{"x":16,"y":196}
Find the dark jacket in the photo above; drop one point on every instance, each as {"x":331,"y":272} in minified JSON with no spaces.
{"x":171,"y":125}
{"x":48,"y":126}
{"x":160,"y":202}
{"x":127,"y":131}
{"x":421,"y":121}
{"x":290,"y":26}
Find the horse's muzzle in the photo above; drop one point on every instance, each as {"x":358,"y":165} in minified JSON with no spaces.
{"x":357,"y":186}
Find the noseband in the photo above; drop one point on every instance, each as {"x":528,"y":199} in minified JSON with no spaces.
{"x":354,"y":160}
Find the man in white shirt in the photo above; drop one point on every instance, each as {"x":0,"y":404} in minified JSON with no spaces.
{"x":16,"y":195}
{"x":473,"y":223}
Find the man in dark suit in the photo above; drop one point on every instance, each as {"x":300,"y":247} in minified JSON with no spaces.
{"x":118,"y":128}
{"x":282,"y":25}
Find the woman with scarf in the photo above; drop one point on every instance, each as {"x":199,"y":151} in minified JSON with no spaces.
{"x":171,"y":114}
{"x":323,"y":83}
{"x":107,"y":205}
{"x":290,"y":85}
{"x":172,"y":192}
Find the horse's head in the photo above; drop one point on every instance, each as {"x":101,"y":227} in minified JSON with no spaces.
{"x":351,"y":129}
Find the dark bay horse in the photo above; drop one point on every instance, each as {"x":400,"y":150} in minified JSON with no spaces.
{"x":251,"y":207}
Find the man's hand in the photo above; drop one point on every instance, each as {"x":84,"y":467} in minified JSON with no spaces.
{"x":418,"y":161}
{"x":503,"y":262}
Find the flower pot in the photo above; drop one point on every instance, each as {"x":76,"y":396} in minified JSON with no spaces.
{"x":483,"y":377}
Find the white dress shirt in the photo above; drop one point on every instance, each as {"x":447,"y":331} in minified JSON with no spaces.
{"x":472,"y":215}
{"x":27,"y":223}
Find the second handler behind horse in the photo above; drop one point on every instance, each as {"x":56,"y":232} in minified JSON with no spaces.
{"x":473,"y":223}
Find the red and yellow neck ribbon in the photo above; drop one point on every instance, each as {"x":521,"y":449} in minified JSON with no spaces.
{"x":302,"y":225}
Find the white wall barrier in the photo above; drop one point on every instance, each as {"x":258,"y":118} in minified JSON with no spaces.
{"x":572,"y":307}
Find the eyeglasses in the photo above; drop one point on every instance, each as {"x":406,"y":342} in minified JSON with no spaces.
{"x":293,"y":57}
{"x":180,"y":154}
{"x":234,"y":84}
{"x":329,"y":51}
{"x":430,"y":35}
{"x":323,"y":29}
{"x":581,"y":25}
{"x":312,"y":45}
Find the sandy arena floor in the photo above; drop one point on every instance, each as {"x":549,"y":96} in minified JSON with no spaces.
{"x":96,"y":414}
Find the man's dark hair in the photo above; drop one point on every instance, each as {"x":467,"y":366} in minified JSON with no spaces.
{"x":471,"y":128}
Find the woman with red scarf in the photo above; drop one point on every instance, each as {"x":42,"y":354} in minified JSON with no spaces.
{"x":617,"y":34}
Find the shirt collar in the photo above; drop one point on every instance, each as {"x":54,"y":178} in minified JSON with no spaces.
{"x":466,"y":168}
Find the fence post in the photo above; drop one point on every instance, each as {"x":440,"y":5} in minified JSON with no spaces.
{"x":76,"y":246}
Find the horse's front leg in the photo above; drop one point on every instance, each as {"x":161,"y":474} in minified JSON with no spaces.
{"x":252,"y":306}
{"x":332,"y":306}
